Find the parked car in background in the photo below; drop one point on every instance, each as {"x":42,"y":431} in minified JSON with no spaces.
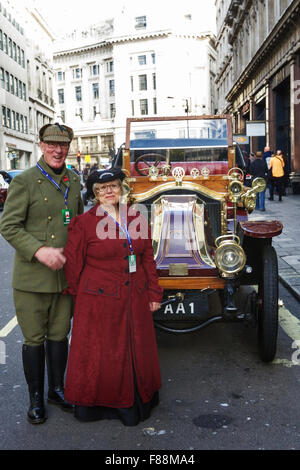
{"x":13,"y":173}
{"x":204,"y":245}
{"x":5,"y":179}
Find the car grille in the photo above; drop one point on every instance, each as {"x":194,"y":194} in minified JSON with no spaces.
{"x":212,"y":209}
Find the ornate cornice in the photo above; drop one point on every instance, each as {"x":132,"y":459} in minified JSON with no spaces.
{"x":138,"y":37}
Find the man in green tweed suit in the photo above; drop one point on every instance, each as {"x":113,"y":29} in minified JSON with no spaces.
{"x":40,"y":203}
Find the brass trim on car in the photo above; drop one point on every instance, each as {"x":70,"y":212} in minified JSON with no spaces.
{"x":184,"y":185}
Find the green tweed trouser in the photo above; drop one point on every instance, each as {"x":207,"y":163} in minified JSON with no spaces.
{"x":43,"y":316}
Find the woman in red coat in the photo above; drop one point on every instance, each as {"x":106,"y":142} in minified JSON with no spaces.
{"x":113,"y":368}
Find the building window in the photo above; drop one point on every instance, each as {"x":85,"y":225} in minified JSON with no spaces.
{"x":63,"y":116}
{"x":111,"y":88}
{"x":10,"y":48}
{"x":77,"y":73}
{"x":142,"y":60}
{"x":5,"y":43}
{"x":8,"y":115}
{"x":18,"y":121}
{"x":2,"y":75}
{"x":13,"y":120}
{"x":7,"y":81}
{"x":132,"y":107}
{"x":15,"y":51}
{"x":144,"y":107}
{"x":140,"y":22}
{"x":153,"y":57}
{"x":78,"y":94}
{"x":78,"y":112}
{"x":20,"y":90}
{"x":110,"y":66}
{"x":143,"y":82}
{"x":60,"y":76}
{"x":96,"y":91}
{"x":61,"y":96}
{"x":154,"y":81}
{"x":112,"y":110}
{"x":94,"y":70}
{"x":24,"y":91}
{"x":1,"y":40}
{"x":22,"y":58}
{"x":12,"y":84}
{"x":131,"y":83}
{"x":3,"y":116}
{"x":16,"y":87}
{"x":154,"y":106}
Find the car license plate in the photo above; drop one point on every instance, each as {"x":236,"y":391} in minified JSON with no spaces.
{"x":193,"y":307}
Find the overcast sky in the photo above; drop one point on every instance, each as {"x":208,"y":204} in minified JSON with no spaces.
{"x":65,"y":15}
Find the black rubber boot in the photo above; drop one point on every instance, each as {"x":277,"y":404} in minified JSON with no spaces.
{"x":56,"y":357}
{"x":34,"y":370}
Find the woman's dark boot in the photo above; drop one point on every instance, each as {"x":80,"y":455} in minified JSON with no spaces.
{"x":34,"y":369}
{"x":56,"y":357}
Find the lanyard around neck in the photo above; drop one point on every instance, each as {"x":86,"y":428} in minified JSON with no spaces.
{"x":49,"y":177}
{"x":124,"y":230}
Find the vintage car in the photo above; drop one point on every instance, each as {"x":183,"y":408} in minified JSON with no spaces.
{"x":189,"y":174}
{"x":4,"y":183}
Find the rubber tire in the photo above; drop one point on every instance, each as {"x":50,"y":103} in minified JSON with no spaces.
{"x":267,"y":327}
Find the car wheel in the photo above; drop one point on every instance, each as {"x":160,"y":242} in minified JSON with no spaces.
{"x":267,"y":327}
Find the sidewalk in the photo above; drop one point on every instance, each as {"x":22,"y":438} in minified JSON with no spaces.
{"x":287,"y":244}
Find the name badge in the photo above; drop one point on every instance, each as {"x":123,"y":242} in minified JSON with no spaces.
{"x":132,"y":263}
{"x":66,"y":216}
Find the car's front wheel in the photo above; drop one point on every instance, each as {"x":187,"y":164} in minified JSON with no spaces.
{"x":268,"y":305}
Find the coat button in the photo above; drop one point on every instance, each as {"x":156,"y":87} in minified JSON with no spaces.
{"x":39,"y":181}
{"x":49,"y":217}
{"x":53,"y":237}
{"x":126,"y":257}
{"x":127,"y":283}
{"x":46,"y":199}
{"x":125,"y":244}
{"x":100,"y":291}
{"x":126,"y":270}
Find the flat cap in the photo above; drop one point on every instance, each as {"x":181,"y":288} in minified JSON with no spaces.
{"x":56,"y":133}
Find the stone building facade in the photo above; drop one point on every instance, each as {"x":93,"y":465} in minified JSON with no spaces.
{"x":26,"y":88}
{"x":258,"y":47}
{"x":136,"y":65}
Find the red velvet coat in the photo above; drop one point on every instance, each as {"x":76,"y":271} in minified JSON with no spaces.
{"x":113,"y":333}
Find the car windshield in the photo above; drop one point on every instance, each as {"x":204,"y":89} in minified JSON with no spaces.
{"x":202,"y":141}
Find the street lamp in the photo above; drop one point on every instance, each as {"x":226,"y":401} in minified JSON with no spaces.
{"x":187,"y":109}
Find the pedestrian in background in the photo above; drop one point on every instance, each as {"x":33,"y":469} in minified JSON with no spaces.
{"x":86,"y":172}
{"x":259,"y":169}
{"x":277,"y":175}
{"x":40,"y":203}
{"x":113,"y":369}
{"x":267,"y":157}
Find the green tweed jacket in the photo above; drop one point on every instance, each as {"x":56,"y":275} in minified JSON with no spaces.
{"x":32,"y":218}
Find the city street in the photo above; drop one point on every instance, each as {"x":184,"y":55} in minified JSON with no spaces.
{"x":216,"y":392}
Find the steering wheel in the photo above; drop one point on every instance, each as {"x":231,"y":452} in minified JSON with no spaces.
{"x":157,"y":157}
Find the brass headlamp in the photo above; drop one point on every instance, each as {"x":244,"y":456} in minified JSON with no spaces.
{"x":235,"y":187}
{"x":249,"y":197}
{"x":230,"y":257}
